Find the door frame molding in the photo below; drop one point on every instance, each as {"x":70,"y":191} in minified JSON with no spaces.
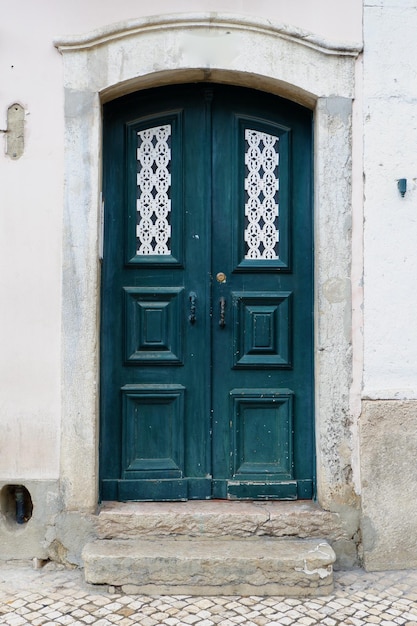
{"x":232,"y":49}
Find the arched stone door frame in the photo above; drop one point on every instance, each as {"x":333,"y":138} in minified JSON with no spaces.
{"x":224,"y":48}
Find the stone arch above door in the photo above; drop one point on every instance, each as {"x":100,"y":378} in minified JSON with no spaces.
{"x":206,"y":47}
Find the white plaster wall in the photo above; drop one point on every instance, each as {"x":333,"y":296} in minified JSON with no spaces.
{"x":30,"y":252}
{"x":388,"y":432}
{"x":32,"y":199}
{"x":390,"y":152}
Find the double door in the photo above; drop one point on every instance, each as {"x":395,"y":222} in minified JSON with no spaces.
{"x":206,"y":327}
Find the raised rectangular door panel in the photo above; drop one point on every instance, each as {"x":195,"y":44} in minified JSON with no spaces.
{"x":261,"y":438}
{"x":153,"y":426}
{"x":262,"y":329}
{"x":153,"y":324}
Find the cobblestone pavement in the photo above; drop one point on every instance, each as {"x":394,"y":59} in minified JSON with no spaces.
{"x":52,"y":596}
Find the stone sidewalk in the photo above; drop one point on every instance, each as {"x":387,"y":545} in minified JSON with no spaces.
{"x":53,"y":596}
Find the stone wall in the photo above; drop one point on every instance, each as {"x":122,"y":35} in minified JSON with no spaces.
{"x":389,"y":484}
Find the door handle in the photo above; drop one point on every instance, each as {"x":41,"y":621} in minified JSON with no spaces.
{"x":222,"y":320}
{"x":193,"y":307}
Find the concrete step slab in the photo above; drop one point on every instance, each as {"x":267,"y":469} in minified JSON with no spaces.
{"x":212,"y":566}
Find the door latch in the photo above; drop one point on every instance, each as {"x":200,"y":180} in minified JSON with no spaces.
{"x":222,"y":321}
{"x":193,"y":307}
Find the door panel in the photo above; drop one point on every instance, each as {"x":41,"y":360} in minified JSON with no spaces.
{"x":206,"y":296}
{"x":153,"y":320}
{"x":261,"y":329}
{"x":153,"y":425}
{"x":262,"y":201}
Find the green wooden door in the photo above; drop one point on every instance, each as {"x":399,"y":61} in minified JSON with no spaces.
{"x":206,"y":329}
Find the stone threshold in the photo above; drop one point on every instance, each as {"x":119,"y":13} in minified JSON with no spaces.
{"x":217,"y":518}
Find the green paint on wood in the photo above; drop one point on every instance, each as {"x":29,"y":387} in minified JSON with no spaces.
{"x":207,"y":384}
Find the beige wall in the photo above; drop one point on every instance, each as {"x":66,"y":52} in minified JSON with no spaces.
{"x":336,"y":20}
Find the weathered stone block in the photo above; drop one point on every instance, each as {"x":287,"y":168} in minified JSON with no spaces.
{"x":389,"y":506}
{"x":259,"y":566}
{"x":218,"y":519}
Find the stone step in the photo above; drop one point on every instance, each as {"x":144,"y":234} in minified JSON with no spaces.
{"x":213,"y":518}
{"x":212,"y":566}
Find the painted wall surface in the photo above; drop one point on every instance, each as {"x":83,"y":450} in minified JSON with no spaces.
{"x":32,"y":195}
{"x":390,"y":228}
{"x":388,"y":424}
